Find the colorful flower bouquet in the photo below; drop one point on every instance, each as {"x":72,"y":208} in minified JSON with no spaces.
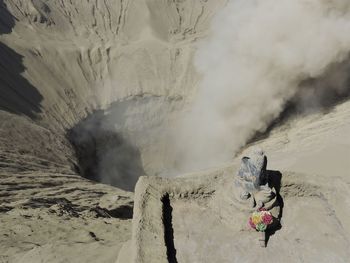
{"x":260,"y":220}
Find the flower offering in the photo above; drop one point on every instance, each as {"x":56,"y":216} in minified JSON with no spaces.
{"x":259,"y":220}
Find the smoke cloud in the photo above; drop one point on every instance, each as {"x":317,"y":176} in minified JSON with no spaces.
{"x":259,"y":56}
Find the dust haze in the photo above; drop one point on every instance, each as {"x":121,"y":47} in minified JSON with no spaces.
{"x":259,"y":56}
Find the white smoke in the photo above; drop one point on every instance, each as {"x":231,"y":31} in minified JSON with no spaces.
{"x":253,"y":62}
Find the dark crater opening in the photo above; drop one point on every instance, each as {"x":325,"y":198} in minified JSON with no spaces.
{"x":104,"y":154}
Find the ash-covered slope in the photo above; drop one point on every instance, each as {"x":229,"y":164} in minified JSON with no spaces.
{"x":61,"y":60}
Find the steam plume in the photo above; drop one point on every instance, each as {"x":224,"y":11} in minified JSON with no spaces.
{"x":253,"y":62}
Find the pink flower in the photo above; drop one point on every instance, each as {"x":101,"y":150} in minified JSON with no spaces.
{"x":267,"y":218}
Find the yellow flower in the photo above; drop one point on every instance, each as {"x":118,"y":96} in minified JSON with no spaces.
{"x":256,"y":218}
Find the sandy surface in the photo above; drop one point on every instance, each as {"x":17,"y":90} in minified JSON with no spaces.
{"x":47,"y":217}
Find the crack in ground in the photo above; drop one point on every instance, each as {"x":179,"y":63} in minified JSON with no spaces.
{"x":168,"y":229}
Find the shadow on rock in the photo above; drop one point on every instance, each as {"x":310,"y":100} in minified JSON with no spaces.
{"x":275,"y":181}
{"x":122,"y":212}
{"x":17,"y":95}
{"x":319,"y":94}
{"x":7,"y":20}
